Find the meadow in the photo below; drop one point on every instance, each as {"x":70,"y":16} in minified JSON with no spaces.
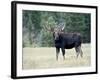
{"x":45,"y":57}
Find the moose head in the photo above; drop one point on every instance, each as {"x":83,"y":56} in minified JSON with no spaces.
{"x":56,"y":31}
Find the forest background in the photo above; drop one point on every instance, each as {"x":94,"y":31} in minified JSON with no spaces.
{"x":34,"y":24}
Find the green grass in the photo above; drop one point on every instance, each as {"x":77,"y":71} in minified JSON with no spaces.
{"x":45,"y":57}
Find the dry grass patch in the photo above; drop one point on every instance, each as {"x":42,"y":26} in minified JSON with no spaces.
{"x":45,"y":57}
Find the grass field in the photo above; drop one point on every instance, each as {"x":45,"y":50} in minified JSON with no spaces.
{"x":45,"y":57}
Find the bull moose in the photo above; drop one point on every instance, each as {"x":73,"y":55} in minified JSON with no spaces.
{"x":65,"y":40}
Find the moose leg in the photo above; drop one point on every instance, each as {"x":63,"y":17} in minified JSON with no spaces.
{"x":81,"y":52}
{"x":77,"y":51}
{"x":57,"y":53}
{"x":63,"y":53}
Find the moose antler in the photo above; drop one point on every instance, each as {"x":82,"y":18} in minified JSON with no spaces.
{"x":61,"y":27}
{"x":49,"y":28}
